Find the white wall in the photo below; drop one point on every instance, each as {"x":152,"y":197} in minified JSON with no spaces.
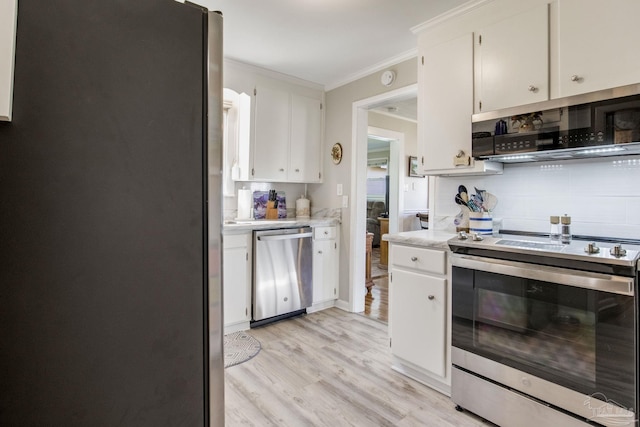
{"x":602,"y":196}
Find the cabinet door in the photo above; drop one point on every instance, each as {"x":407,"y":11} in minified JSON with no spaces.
{"x":597,"y":45}
{"x":271,"y":139}
{"x":325,"y":269}
{"x":512,"y":65}
{"x":418,"y":319}
{"x":445,"y":104}
{"x":236,"y":269}
{"x":305,"y":143}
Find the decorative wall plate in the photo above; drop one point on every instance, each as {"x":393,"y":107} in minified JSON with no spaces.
{"x":336,"y":153}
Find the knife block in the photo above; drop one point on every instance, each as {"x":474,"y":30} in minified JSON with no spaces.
{"x":272,"y":212}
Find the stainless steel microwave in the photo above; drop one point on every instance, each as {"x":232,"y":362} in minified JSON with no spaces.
{"x":604,"y":123}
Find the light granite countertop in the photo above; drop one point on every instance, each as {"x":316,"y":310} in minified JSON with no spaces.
{"x":434,"y":239}
{"x":231,"y":227}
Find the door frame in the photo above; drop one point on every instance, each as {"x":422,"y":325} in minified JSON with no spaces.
{"x":358,"y":220}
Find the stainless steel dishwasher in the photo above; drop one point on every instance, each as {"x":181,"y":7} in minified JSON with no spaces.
{"x":282,"y":273}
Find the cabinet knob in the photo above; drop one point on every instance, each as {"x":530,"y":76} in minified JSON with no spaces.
{"x":431,"y":297}
{"x":320,"y":252}
{"x":297,"y":170}
{"x":532,"y":88}
{"x":281,"y":170}
{"x":576,"y":78}
{"x":326,"y":232}
{"x":414,"y":258}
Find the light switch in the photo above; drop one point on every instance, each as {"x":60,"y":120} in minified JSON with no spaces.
{"x":339,"y":189}
{"x":345,"y":201}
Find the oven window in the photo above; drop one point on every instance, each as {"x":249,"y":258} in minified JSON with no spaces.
{"x":537,"y":330}
{"x":579,"y":338}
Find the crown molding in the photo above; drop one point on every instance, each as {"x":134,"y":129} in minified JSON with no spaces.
{"x":455,"y":12}
{"x":273,"y":74}
{"x":373,"y":69}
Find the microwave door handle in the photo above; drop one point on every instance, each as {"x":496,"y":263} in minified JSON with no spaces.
{"x":563,"y":276}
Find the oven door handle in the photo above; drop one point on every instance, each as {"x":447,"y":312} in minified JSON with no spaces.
{"x":563,"y":276}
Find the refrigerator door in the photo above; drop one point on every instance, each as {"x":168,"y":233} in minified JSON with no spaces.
{"x":110,"y":307}
{"x":214,"y":168}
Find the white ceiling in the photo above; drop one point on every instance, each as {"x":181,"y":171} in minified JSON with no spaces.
{"x":328,"y":42}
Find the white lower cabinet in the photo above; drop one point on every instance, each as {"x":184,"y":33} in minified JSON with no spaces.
{"x":325,"y":267}
{"x":419,"y":309}
{"x":236,"y":281}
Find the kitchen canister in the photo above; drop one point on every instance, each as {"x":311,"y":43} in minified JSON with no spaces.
{"x":303,"y":210}
{"x":245,"y":202}
{"x":480,"y":222}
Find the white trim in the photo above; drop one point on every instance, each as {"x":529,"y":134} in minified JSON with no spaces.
{"x":357,"y":218}
{"x":273,"y":74}
{"x":455,"y":12}
{"x":396,"y":173}
{"x":395,"y":60}
{"x":395,"y":116}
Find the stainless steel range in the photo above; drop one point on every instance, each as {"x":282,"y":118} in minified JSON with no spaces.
{"x":545,"y":334}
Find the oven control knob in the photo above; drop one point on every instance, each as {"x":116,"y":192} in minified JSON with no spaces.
{"x":617,"y":251}
{"x":462,"y":235}
{"x":592,"y":248}
{"x":477,"y":238}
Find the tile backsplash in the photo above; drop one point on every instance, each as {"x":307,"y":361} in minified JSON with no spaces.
{"x":602,"y":196}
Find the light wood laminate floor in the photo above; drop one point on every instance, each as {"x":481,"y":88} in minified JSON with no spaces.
{"x":376,"y":301}
{"x":331,"y":368}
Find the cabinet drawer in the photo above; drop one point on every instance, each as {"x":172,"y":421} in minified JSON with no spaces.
{"x":235,"y":241}
{"x":428,"y":260}
{"x":324,"y":233}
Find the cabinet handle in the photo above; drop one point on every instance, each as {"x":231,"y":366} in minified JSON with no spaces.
{"x":414,"y":258}
{"x":431,"y":297}
{"x":575,"y":78}
{"x":532,"y":88}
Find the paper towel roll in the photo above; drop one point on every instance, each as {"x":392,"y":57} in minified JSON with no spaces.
{"x":245,"y":201}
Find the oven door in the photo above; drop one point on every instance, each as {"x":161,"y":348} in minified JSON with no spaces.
{"x":572,"y":328}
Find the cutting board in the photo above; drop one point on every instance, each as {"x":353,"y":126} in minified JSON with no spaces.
{"x":260,"y":199}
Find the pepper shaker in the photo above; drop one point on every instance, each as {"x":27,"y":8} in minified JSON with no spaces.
{"x":565,"y":229}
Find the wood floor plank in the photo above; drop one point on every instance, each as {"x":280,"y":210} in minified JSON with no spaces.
{"x":331,"y":368}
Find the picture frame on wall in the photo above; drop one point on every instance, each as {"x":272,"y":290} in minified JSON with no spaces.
{"x":413,"y":167}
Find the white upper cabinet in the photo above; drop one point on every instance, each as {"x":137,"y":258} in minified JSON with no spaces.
{"x":306,"y":138}
{"x":445,"y":79}
{"x":271,"y":136}
{"x":287,"y":136}
{"x":8,"y":16}
{"x":445,"y":105}
{"x":512,"y":61}
{"x":597,"y":45}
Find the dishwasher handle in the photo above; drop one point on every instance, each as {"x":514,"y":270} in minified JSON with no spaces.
{"x":283,"y":236}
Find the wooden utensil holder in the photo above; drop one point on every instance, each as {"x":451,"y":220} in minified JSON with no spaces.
{"x":272,"y":212}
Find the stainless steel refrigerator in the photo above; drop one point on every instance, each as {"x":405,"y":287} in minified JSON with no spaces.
{"x":110,"y":216}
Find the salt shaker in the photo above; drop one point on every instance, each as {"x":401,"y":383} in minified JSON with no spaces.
{"x":565,"y":229}
{"x":554,"y":233}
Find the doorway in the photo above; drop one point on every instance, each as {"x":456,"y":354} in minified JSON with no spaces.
{"x":361,"y":132}
{"x":384,"y":149}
